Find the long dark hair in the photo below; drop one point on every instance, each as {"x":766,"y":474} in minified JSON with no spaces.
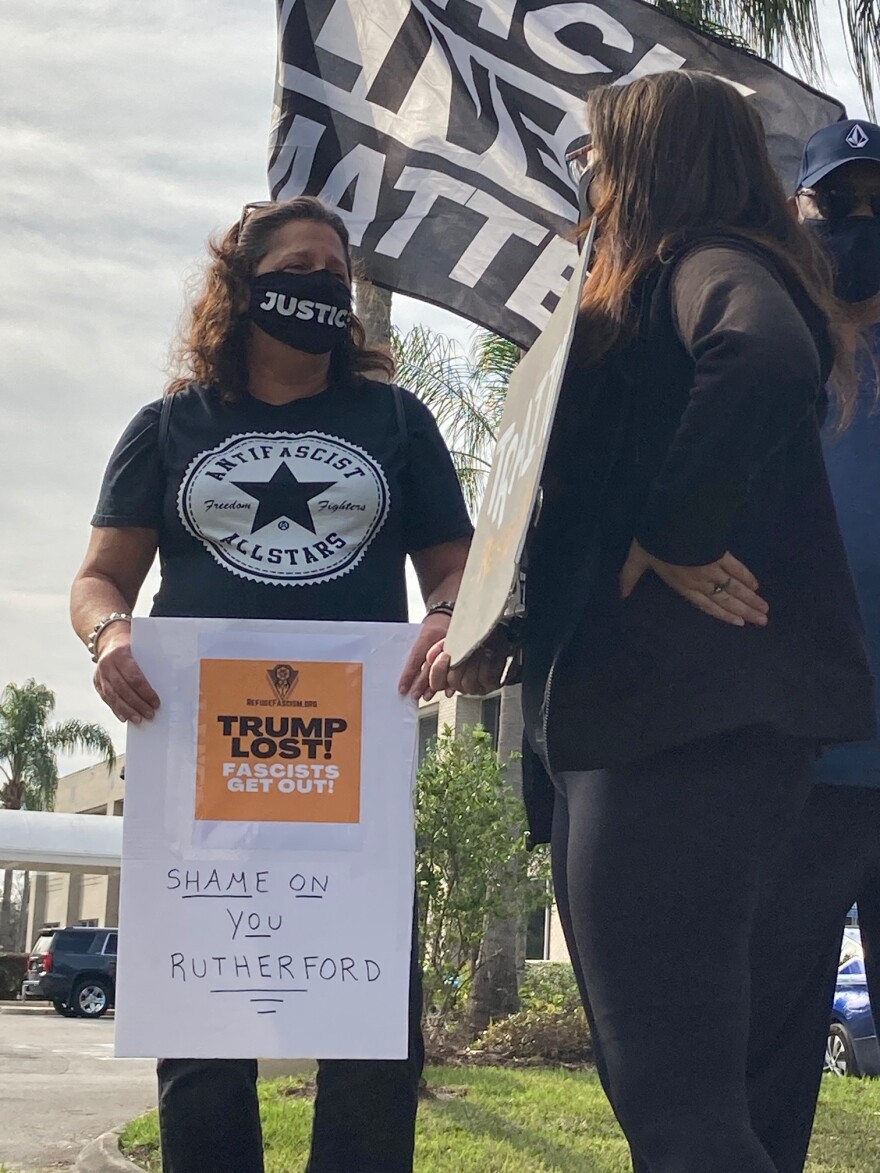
{"x":212,"y":347}
{"x":681,"y":154}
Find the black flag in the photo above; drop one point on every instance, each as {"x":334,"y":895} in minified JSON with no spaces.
{"x":438,"y":128}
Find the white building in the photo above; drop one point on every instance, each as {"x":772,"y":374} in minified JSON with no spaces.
{"x":59,"y":898}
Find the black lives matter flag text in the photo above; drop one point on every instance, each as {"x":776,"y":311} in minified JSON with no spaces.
{"x":439,"y":129}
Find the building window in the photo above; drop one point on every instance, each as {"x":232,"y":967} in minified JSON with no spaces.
{"x":490,"y":718}
{"x":118,"y":806}
{"x":537,"y":935}
{"x":428,"y":730}
{"x":91,"y":923}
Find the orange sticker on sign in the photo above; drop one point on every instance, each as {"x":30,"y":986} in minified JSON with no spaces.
{"x":279,"y":742}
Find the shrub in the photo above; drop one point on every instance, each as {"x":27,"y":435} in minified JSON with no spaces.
{"x":551,"y":1027}
{"x":470,"y":860}
{"x":550,"y":985}
{"x":13,"y":967}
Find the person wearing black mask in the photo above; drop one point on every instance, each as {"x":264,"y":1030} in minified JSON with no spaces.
{"x":838,"y":200}
{"x":277,"y":480}
{"x":691,"y":631}
{"x":834,"y":860}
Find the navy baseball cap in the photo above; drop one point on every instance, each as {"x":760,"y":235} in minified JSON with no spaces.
{"x":831,"y":147}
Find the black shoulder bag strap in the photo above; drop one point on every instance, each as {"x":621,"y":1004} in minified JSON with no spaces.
{"x":400,"y":412}
{"x":164,"y":426}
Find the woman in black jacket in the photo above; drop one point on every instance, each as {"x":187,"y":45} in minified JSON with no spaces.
{"x":692,"y":631}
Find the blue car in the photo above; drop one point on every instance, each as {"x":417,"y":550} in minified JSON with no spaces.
{"x":852,"y":1047}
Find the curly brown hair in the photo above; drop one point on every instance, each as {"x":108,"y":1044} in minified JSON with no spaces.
{"x":212,"y":346}
{"x":678,"y":153}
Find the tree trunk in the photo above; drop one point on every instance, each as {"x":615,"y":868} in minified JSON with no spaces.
{"x":494,"y":992}
{"x":374,"y":310}
{"x":6,"y":911}
{"x":22,"y":944}
{"x":495,"y":989}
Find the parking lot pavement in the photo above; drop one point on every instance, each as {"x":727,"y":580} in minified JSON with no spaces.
{"x":61,"y":1087}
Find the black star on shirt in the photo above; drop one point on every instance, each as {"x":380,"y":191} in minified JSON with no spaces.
{"x":283,"y":496}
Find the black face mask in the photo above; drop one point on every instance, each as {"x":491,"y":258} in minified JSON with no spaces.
{"x":308,"y":311}
{"x":854,"y":244}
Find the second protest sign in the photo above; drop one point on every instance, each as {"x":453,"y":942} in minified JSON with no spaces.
{"x":268,"y":847}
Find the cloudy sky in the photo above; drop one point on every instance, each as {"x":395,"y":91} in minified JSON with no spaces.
{"x":127,"y":133}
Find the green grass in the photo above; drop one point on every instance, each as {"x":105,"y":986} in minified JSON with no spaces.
{"x":498,"y":1120}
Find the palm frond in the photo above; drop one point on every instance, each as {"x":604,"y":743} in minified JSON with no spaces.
{"x":494,"y":361}
{"x":779,"y":29}
{"x":23,"y":708}
{"x":40,"y":777}
{"x":495,"y":358}
{"x":29,"y":745}
{"x":861,"y":22}
{"x":82,"y":736}
{"x":465,"y":391}
{"x":772,"y":28}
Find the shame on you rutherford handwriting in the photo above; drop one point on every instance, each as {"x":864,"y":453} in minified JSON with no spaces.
{"x":268,"y":974}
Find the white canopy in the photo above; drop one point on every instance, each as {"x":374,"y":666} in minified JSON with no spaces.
{"x":47,"y":841}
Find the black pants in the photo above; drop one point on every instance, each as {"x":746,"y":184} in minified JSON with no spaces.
{"x":657,"y":867}
{"x":833,"y":862}
{"x":365,"y":1110}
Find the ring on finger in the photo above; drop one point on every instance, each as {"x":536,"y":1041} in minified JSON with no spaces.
{"x":720,"y":588}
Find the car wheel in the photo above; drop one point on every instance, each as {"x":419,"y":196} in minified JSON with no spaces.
{"x":91,"y":998}
{"x":63,"y":1009}
{"x":840,"y":1058}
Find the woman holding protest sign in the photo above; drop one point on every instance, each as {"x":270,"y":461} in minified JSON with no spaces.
{"x":276,"y":480}
{"x":692,"y":633}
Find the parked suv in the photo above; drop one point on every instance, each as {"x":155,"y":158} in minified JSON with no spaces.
{"x":75,"y":969}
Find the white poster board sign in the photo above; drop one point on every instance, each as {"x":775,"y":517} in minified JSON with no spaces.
{"x":489,"y":589}
{"x":268,"y":846}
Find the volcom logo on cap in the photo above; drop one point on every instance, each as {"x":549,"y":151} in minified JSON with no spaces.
{"x":284,"y":508}
{"x":857,"y":138}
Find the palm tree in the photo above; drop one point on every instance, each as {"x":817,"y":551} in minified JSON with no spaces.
{"x":464,"y":389}
{"x":789,"y":29}
{"x":29,"y":749}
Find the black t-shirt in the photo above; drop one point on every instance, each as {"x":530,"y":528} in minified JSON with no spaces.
{"x":300,"y":511}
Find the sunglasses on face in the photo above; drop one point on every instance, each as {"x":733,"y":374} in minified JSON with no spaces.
{"x":246,"y":211}
{"x":578,"y":160}
{"x":836,"y":203}
{"x":582,"y":167}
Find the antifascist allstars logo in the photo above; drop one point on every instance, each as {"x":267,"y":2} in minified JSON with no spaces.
{"x":283,"y":679}
{"x":284,"y":508}
{"x":857,"y":138}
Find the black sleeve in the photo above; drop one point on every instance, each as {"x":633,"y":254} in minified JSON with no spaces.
{"x":756,"y":378}
{"x":434,"y":511}
{"x":133,"y":487}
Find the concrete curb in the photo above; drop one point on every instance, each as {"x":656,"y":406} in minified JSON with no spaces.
{"x":29,"y":1011}
{"x":103,"y":1156}
{"x":40,"y":1009}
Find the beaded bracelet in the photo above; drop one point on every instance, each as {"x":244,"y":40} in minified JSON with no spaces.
{"x":113,"y":617}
